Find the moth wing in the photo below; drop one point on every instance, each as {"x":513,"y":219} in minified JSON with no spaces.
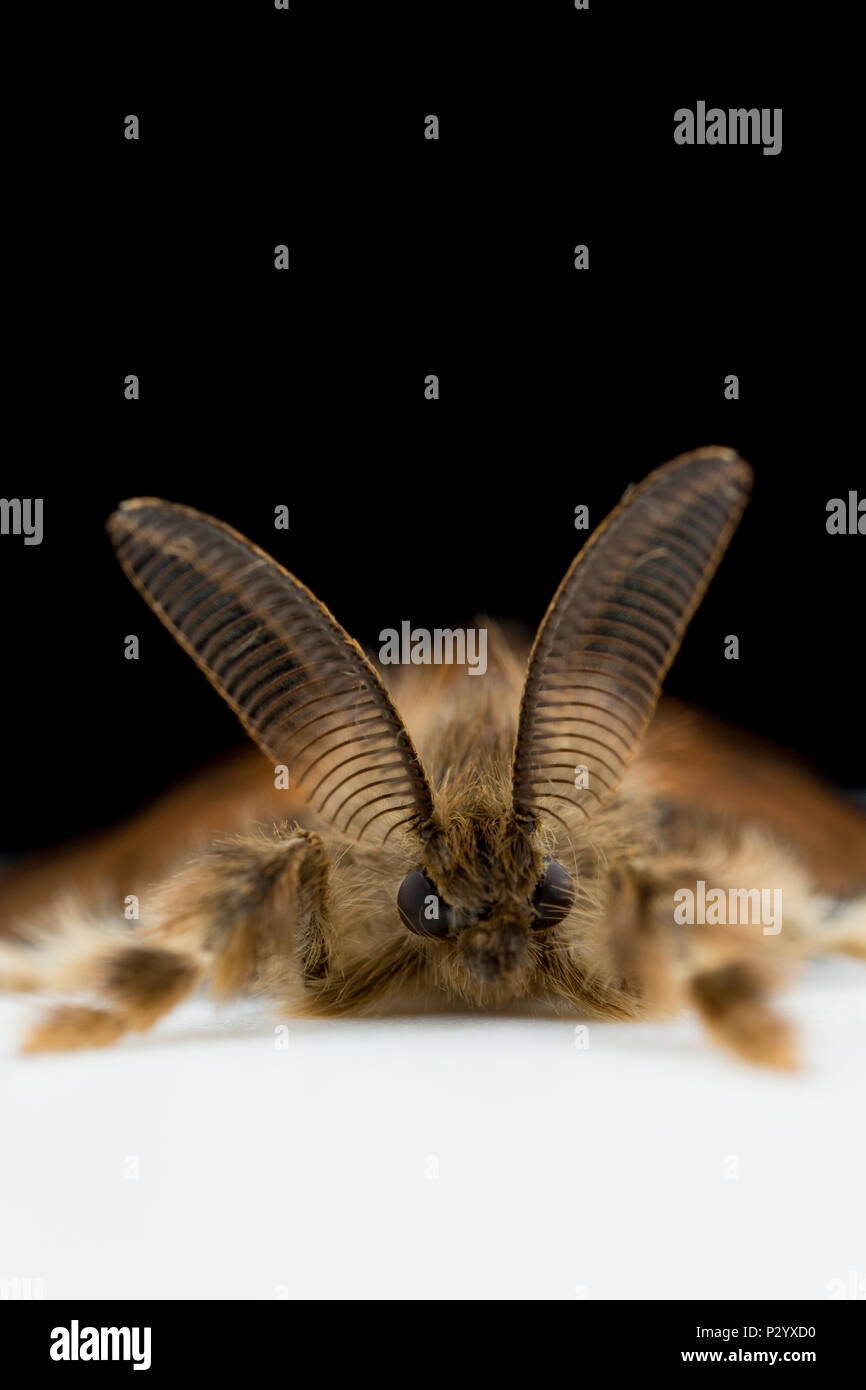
{"x":711,"y":773}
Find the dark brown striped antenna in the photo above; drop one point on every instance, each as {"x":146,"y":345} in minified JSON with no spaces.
{"x":613,"y":628}
{"x":302,"y":688}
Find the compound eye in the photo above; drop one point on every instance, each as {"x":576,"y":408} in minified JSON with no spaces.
{"x":554,"y":896}
{"x":420,"y":906}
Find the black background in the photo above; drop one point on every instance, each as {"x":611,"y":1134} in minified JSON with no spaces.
{"x":410,"y":257}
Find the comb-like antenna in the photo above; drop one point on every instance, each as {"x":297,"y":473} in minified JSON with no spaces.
{"x":300,"y":685}
{"x":614,"y":627}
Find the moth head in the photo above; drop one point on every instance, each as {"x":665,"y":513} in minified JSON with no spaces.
{"x":488,"y":897}
{"x":426,"y":912}
{"x":595,"y":671}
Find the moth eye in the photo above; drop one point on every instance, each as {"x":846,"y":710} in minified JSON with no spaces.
{"x":420,"y":906}
{"x":554,"y":896}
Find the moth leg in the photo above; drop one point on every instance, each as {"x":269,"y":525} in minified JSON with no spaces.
{"x":266,"y":923}
{"x":732,"y":997}
{"x":733,"y":1002}
{"x":265,"y":912}
{"x":134,"y":986}
{"x":241,"y":916}
{"x":363,"y":985}
{"x":734,"y":971}
{"x":725,"y":973}
{"x":839,"y":926}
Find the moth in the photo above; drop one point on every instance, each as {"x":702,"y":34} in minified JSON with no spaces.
{"x":518,"y":839}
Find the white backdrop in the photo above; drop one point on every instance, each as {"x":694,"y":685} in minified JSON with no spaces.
{"x":463,"y":1156}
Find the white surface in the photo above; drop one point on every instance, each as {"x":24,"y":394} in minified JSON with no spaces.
{"x":562,"y":1173}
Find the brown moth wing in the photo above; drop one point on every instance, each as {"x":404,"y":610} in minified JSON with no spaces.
{"x":99,"y":870}
{"x":711,"y":772}
{"x":302,"y":688}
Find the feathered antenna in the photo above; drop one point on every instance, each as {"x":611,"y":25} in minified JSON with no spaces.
{"x":613,"y":628}
{"x":302,"y":688}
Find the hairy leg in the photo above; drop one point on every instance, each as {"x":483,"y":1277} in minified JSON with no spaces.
{"x":640,"y":963}
{"x":249,"y":914}
{"x":252,"y":914}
